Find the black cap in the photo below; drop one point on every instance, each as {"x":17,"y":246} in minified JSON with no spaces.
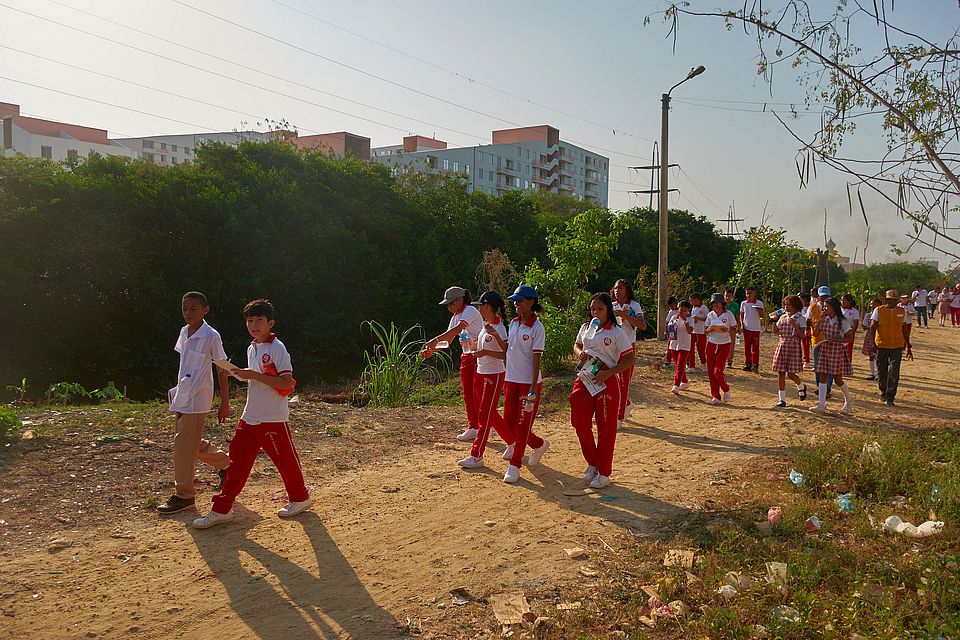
{"x":491,"y":298}
{"x":717,"y":297}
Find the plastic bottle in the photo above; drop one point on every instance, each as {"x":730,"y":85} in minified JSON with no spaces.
{"x":529,"y":402}
{"x":465,"y":342}
{"x":796,"y":477}
{"x":594,"y":327}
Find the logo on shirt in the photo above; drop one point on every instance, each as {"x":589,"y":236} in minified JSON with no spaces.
{"x":265,"y":359}
{"x":526,"y":337}
{"x":607,"y":342}
{"x":488,"y":339}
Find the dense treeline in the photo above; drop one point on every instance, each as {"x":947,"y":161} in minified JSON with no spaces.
{"x":94,"y":257}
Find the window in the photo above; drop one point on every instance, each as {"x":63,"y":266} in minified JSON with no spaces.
{"x":72,"y":155}
{"x":489,"y":175}
{"x":186,"y":150}
{"x":526,"y":184}
{"x":527,"y":155}
{"x":163,"y":146}
{"x":173,"y":148}
{"x":466,"y":169}
{"x":431,"y":162}
{"x":519,"y":151}
{"x":148,"y":144}
{"x":46,"y":152}
{"x":516,"y":182}
{"x":456,"y":166}
{"x":446,"y":164}
{"x":173,"y":159}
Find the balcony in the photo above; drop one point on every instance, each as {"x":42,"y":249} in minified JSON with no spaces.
{"x":592,"y":192}
{"x":567,"y":171}
{"x":567,"y":186}
{"x":546,"y":165}
{"x":503,"y":185}
{"x":544,"y":180}
{"x":506,"y":170}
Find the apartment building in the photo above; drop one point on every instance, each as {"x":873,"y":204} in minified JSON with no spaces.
{"x":53,"y":140}
{"x":525,"y":158}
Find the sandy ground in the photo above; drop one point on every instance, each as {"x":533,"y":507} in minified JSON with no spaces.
{"x":396,"y":524}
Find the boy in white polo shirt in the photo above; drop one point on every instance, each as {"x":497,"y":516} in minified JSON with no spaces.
{"x":199,"y":345}
{"x":751,"y":314}
{"x":263,"y":425}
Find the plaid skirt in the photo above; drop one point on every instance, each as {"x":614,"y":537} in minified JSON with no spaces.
{"x":788,"y":355}
{"x":868,"y":344}
{"x":833,"y":359}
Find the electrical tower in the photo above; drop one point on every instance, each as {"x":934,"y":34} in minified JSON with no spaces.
{"x":654,"y":169}
{"x":733,"y":229}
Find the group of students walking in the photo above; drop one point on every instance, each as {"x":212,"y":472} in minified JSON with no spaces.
{"x":497,"y":361}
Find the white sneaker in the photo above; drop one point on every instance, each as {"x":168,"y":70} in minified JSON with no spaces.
{"x":508,"y":452}
{"x":713,"y":400}
{"x":469,"y":435}
{"x":846,"y":408}
{"x":537,"y":454}
{"x":589,"y":474}
{"x":727,"y":397}
{"x":471,"y":462}
{"x":675,"y":389}
{"x":691,"y":369}
{"x":817,"y":408}
{"x":212,"y":519}
{"x":512,"y":475}
{"x":599,"y":482}
{"x":294,"y":508}
{"x":684,"y":386}
{"x":628,"y":410}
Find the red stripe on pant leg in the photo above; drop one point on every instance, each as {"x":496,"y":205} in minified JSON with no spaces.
{"x":721,"y":363}
{"x":277,"y":443}
{"x":244,"y":448}
{"x":624,"y":395}
{"x":524,"y":429}
{"x":680,"y":375}
{"x":468,"y":369}
{"x":489,"y":388}
{"x":711,"y":369}
{"x":606,"y":401}
{"x":581,"y":418}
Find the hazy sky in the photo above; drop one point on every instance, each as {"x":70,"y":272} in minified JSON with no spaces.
{"x":595,"y":67}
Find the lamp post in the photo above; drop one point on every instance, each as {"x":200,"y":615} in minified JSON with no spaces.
{"x":664,"y":162}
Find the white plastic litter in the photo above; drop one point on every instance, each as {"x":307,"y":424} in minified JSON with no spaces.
{"x":872,"y":454}
{"x":894,"y":524}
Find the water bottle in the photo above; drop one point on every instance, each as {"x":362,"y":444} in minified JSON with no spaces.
{"x":796,"y":477}
{"x":465,"y":342}
{"x":594,"y":327}
{"x":529,"y":403}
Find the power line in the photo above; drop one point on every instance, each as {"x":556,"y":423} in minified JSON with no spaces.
{"x":702,"y":192}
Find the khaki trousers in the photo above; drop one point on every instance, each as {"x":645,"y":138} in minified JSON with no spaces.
{"x":188,"y":446}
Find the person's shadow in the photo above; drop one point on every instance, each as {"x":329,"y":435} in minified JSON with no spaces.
{"x":331,"y":603}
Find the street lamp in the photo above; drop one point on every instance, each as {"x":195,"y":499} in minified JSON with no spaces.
{"x":664,"y":162}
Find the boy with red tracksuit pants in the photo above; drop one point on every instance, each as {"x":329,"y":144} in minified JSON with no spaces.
{"x":608,"y":345}
{"x":680,"y":334}
{"x":751,"y":322}
{"x":698,"y":311}
{"x":263,"y":425}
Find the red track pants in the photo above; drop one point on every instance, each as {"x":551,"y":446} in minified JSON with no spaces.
{"x":751,"y":347}
{"x":805,"y":343}
{"x":583,"y":408}
{"x":275,"y":440}
{"x":468,"y":370}
{"x":488,"y":388}
{"x":680,"y":357}
{"x":698,"y":341}
{"x":518,"y":421}
{"x":954,"y":316}
{"x":624,"y":380}
{"x":716,"y":361}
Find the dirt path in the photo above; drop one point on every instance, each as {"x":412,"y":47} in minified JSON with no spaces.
{"x":397,"y":525}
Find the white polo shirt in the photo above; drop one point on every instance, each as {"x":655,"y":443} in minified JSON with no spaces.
{"x":524,"y":340}
{"x":910,"y":312}
{"x":920,"y":297}
{"x":683,"y":339}
{"x":955,"y":300}
{"x":698,"y":314}
{"x":851,"y":314}
{"x":751,"y":315}
{"x":194,"y":390}
{"x":488,"y":365}
{"x":725,"y":320}
{"x":628,"y":328}
{"x":608,"y":344}
{"x":471,"y":315}
{"x":264,"y":403}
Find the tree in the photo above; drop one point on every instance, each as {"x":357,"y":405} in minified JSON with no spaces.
{"x":909,"y":88}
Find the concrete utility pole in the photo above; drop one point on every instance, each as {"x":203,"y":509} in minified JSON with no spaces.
{"x":664,"y":192}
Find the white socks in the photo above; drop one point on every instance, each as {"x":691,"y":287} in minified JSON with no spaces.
{"x":873,"y":367}
{"x":783,"y":395}
{"x":847,"y":398}
{"x":822,"y":398}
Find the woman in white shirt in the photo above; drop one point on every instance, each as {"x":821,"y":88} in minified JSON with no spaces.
{"x":720,"y":327}
{"x":943,"y":304}
{"x":491,"y":357}
{"x":466,"y":323}
{"x":605,"y":352}
{"x":629,"y":314}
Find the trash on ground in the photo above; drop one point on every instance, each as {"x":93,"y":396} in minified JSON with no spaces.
{"x":727,"y":592}
{"x":461,"y":596}
{"x":563,"y":606}
{"x":785,"y":613}
{"x":679,"y":608}
{"x":774,"y":515}
{"x":509,"y":606}
{"x":845,"y":502}
{"x":777,"y":574}
{"x":871,"y":453}
{"x":737,"y":580}
{"x":259,"y":576}
{"x":608,"y":498}
{"x":934,"y":494}
{"x":894,"y":524}
{"x":679,"y":558}
{"x":796,"y":477}
{"x":29,"y":434}
{"x":576,"y":553}
{"x":587,"y":571}
{"x":898,"y":501}
{"x":813,"y":524}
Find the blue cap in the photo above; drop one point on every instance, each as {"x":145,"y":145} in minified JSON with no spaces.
{"x":823,"y":291}
{"x":522,"y":292}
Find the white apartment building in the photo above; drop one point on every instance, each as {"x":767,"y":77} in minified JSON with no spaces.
{"x":52,"y":140}
{"x":527,"y":159}
{"x":176,"y":148}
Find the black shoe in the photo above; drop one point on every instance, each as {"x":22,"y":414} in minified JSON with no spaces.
{"x":175,"y":504}
{"x":888,"y":402}
{"x":756,"y":368}
{"x":746,"y":368}
{"x":222,"y":474}
{"x":780,"y":404}
{"x":803,"y":392}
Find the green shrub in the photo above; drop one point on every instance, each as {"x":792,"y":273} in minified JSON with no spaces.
{"x":67,"y":393}
{"x":394,"y":367}
{"x":8,"y":420}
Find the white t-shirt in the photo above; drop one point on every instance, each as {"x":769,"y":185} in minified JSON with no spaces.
{"x":851,"y":314}
{"x":628,"y":328}
{"x":699,"y":315}
{"x":725,"y":320}
{"x":683,"y":339}
{"x":955,"y":300}
{"x":751,"y":315}
{"x":931,"y":298}
{"x":194,"y":390}
{"x":608,"y":344}
{"x":910,"y":313}
{"x":488,"y":365}
{"x":524,"y":340}
{"x":671,"y":314}
{"x":920,"y":297}
{"x":264,"y":403}
{"x":471,"y":315}
{"x":945,"y":297}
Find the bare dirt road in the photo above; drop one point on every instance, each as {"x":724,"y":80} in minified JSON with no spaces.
{"x":396,"y":524}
